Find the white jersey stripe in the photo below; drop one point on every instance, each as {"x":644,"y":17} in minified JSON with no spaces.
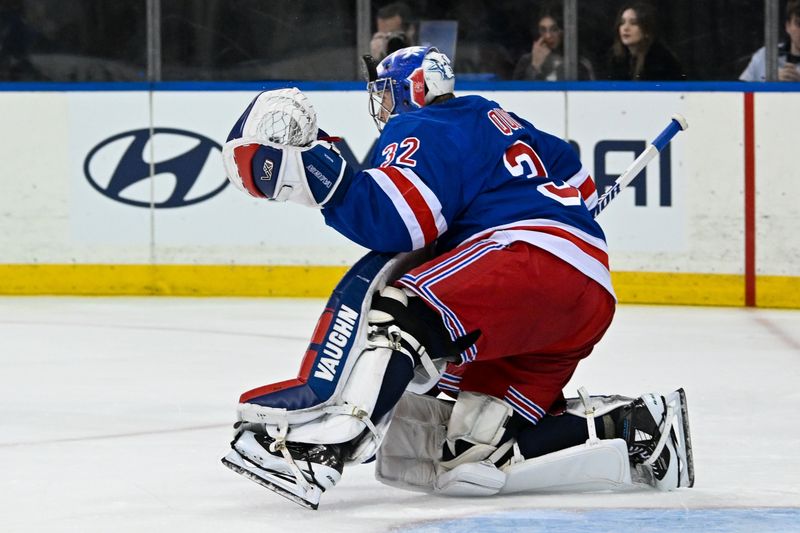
{"x":579,"y":177}
{"x":402,"y":207}
{"x":546,"y":222}
{"x":430,"y":198}
{"x":563,"y":249}
{"x":577,"y":180}
{"x":447,"y":263}
{"x":558,"y":246}
{"x":406,"y":209}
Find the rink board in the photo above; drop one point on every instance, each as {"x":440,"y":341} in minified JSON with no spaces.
{"x":83,"y":212}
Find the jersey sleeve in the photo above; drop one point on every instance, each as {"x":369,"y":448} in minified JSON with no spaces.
{"x":389,"y":209}
{"x":569,"y":168}
{"x":401,"y":205}
{"x":584,"y":182}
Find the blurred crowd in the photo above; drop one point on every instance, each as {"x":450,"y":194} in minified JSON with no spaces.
{"x":488,"y":39}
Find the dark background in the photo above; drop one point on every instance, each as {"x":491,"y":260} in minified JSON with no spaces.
{"x":100,"y":40}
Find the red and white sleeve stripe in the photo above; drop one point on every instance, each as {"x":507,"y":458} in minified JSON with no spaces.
{"x":414,"y":201}
{"x":583,"y":181}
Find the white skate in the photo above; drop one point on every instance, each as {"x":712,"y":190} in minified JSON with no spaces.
{"x":656,"y":429}
{"x":297,"y":471}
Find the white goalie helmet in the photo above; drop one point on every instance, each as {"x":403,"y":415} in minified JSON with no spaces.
{"x":407,"y":80}
{"x":439,"y":75}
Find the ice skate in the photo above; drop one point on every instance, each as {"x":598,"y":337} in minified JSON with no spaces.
{"x":297,"y":471}
{"x":656,"y":429}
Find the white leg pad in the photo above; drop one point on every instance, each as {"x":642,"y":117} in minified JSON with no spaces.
{"x":601,"y":465}
{"x":410,"y":456}
{"x":412,"y":448}
{"x":410,"y":459}
{"x":471,"y":479}
{"x":360,"y":392}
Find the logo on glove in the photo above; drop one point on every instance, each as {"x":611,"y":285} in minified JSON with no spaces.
{"x":195,"y":168}
{"x":267,"y":168}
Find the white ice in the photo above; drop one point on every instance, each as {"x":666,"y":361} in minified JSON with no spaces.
{"x":114,"y":413}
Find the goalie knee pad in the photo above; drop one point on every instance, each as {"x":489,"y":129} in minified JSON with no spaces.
{"x":475,"y":429}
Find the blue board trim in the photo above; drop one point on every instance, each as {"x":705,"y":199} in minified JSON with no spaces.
{"x":576,"y":86}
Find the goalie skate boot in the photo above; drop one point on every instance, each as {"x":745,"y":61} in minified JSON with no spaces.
{"x":656,"y":429}
{"x":298,"y":471}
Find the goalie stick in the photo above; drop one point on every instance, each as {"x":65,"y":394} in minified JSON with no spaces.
{"x":678,"y":123}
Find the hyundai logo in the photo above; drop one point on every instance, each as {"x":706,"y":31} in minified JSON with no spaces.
{"x":119,"y":168}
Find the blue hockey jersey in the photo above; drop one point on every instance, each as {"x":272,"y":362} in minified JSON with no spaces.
{"x":466,"y":169}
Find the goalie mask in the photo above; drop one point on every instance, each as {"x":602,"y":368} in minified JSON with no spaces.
{"x":407,"y":80}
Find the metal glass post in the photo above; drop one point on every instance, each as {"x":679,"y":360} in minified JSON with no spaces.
{"x":363,"y":16}
{"x":153,"y":40}
{"x":771,"y":37}
{"x":153,"y":75}
{"x":571,"y":39}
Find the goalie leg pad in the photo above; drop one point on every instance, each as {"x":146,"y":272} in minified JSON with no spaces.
{"x":412,"y":448}
{"x":655,"y":428}
{"x":333,"y":398}
{"x":601,"y":465}
{"x":471,"y":479}
{"x":410,"y":457}
{"x":411,"y":452}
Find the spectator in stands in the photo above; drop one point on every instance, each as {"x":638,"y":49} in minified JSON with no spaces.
{"x":545,"y":60}
{"x":788,"y":51}
{"x":15,"y":38}
{"x":637,"y":53}
{"x":394,"y":30}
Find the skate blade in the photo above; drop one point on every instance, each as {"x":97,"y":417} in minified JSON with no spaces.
{"x":687,"y":436}
{"x":273,"y":481}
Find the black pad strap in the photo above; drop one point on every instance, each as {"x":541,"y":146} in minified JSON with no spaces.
{"x":421,"y":322}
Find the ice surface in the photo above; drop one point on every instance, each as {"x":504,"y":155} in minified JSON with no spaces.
{"x":114,"y":413}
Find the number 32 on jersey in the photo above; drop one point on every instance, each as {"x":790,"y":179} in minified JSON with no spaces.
{"x":520,"y":158}
{"x":408,"y":147}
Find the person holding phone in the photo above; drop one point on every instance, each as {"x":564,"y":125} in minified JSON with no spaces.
{"x":788,"y":51}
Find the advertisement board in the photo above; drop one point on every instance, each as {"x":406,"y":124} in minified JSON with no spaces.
{"x":135,"y":178}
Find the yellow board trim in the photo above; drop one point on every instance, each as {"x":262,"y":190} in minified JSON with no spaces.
{"x":778,"y":291}
{"x":679,"y":288}
{"x":318,"y":281}
{"x":170,"y":280}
